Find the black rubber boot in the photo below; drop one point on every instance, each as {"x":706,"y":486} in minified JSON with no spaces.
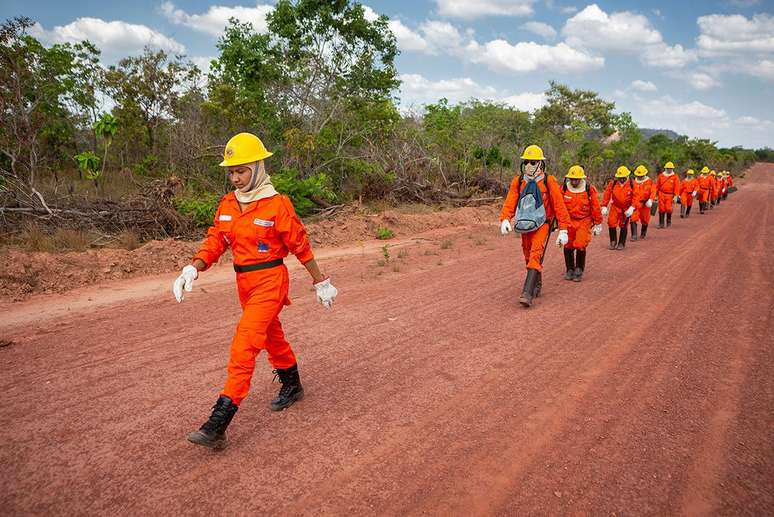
{"x":580,"y":264}
{"x":622,"y":239}
{"x":569,"y":263}
{"x":669,"y":219}
{"x":613,"y":238}
{"x":644,"y":231}
{"x":682,"y":211}
{"x":527,"y":293}
{"x":213,"y":433}
{"x":688,"y":211}
{"x":702,"y":208}
{"x":661,"y":219}
{"x":538,"y":284}
{"x":634,"y":231}
{"x":291,"y":389}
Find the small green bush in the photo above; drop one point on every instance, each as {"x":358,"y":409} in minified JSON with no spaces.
{"x":301,"y":191}
{"x":384,"y":233}
{"x":201,"y":208}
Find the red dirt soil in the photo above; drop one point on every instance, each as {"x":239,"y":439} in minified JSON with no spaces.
{"x":646,"y":389}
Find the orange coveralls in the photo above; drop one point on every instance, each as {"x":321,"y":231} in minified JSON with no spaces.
{"x":645,"y":190}
{"x":533,"y":244}
{"x":584,"y":211}
{"x":623,"y":196}
{"x":705,"y":188}
{"x":667,"y":187}
{"x":267,"y":230}
{"x":686,"y":191}
{"x":714,"y":188}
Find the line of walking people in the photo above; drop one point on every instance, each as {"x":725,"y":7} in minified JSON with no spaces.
{"x":535,"y":203}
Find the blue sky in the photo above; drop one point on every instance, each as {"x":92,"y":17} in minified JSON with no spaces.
{"x":705,"y":69}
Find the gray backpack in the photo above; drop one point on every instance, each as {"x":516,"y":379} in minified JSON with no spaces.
{"x":530,"y":210}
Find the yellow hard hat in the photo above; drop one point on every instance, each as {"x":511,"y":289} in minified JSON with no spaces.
{"x":533,"y":152}
{"x":669,"y":165}
{"x":244,"y":148}
{"x":622,"y":172}
{"x":690,"y":172}
{"x":705,"y":170}
{"x":713,"y":173}
{"x":640,"y":171}
{"x":576,"y":172}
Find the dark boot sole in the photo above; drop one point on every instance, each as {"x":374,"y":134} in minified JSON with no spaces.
{"x":199,"y":438}
{"x":525,"y":302}
{"x":298,"y":396}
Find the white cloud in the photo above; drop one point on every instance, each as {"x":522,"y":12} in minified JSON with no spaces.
{"x":702,"y":81}
{"x":407,"y":39}
{"x":116,"y":39}
{"x":664,"y":56}
{"x":593,"y":28}
{"x":754,"y":123}
{"x":416,"y":89}
{"x":543,"y":30}
{"x":471,"y":9}
{"x":763,"y":69}
{"x":568,"y":10}
{"x":441,"y":35}
{"x":735,"y":33}
{"x":216,"y":18}
{"x":643,"y":86}
{"x":527,"y":56}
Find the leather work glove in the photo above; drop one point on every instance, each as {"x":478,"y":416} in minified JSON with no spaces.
{"x":596,"y":229}
{"x":649,"y":203}
{"x":505,"y":227}
{"x":563,"y":238}
{"x":604,"y":211}
{"x":326,"y":293}
{"x":629,"y":211}
{"x":185,"y":281}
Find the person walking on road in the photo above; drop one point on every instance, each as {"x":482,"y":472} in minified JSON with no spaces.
{"x":689,"y":189}
{"x":582,"y":202}
{"x":705,"y":189}
{"x":714,"y":189}
{"x":624,"y":197}
{"x":667,"y":191}
{"x":534,"y":203}
{"x":261,"y":228}
{"x":646,"y":193}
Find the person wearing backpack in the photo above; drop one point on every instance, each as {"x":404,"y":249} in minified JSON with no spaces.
{"x":705,"y":188}
{"x":714,"y":188}
{"x":646,"y":193}
{"x":688,"y":191}
{"x":624,"y":199}
{"x":582,"y":202}
{"x":535,"y":199}
{"x":668,"y":191}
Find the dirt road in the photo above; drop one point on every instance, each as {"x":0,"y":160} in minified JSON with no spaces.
{"x":646,"y":389}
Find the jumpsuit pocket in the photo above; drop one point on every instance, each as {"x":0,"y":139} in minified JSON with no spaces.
{"x":263,"y":234}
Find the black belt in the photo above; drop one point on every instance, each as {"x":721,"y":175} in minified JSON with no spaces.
{"x":257,"y":267}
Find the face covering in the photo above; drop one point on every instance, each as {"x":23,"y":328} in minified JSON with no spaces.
{"x":580,"y":187}
{"x":260,"y":186}
{"x":531,"y":171}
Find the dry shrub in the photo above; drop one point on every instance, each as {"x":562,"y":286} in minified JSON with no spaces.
{"x":34,"y":238}
{"x":128,"y":240}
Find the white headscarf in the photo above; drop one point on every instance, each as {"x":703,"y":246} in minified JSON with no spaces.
{"x":260,"y":186}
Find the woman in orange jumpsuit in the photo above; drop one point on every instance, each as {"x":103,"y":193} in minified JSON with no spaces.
{"x":646,"y":193}
{"x":689,"y":189}
{"x":261,"y":228}
{"x":582,"y":202}
{"x":668,"y":191}
{"x":533,"y":243}
{"x":705,"y":189}
{"x":714,"y":189}
{"x":729,"y":184}
{"x":624,"y":197}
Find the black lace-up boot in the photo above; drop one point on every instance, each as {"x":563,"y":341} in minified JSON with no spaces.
{"x":213,"y":433}
{"x":291,"y":389}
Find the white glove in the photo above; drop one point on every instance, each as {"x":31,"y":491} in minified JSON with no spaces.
{"x":604,"y":211}
{"x":629,"y":211}
{"x":676,"y":199}
{"x":694,"y":193}
{"x":563,"y":238}
{"x":649,"y":203}
{"x":596,"y":229}
{"x":185,"y":280}
{"x":326,"y":293}
{"x":505,"y":227}
{"x":724,"y":190}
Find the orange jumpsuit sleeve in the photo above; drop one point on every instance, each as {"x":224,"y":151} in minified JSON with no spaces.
{"x":557,"y":202}
{"x":596,"y":212}
{"x":215,"y":244}
{"x":608,"y":194}
{"x":509,"y":207}
{"x":292,"y":231}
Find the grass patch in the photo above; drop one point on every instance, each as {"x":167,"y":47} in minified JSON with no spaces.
{"x":384,"y":233}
